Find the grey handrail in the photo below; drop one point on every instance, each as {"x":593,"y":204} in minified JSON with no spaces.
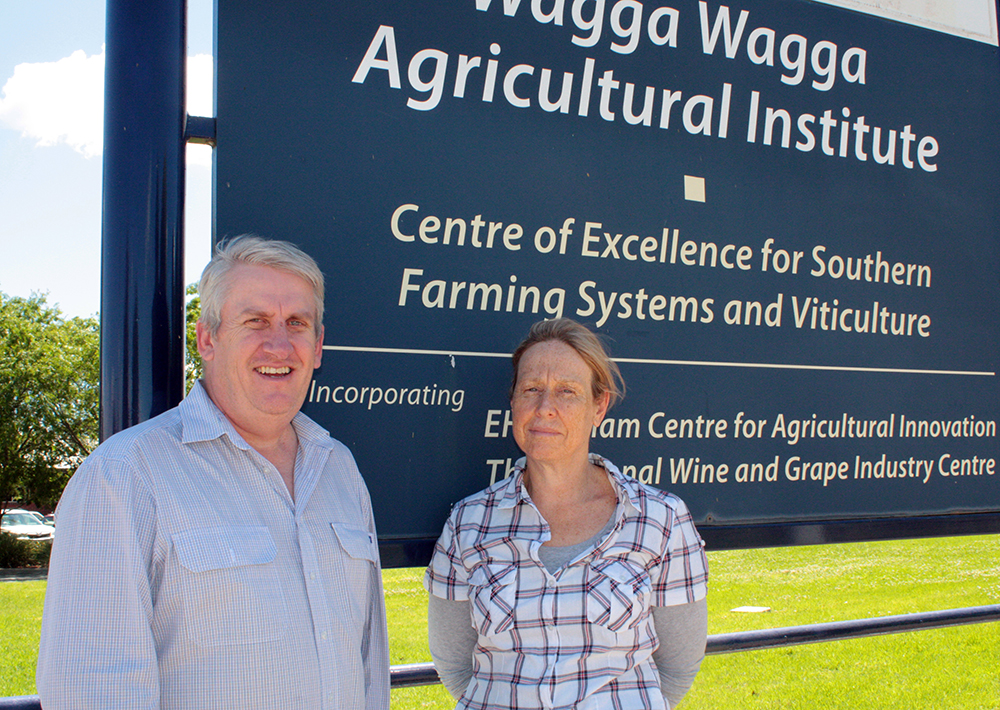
{"x":416,"y":674}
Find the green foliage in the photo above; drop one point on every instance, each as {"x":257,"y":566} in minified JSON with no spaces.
{"x":49,"y":374}
{"x":192,"y":360}
{"x":16,"y":553}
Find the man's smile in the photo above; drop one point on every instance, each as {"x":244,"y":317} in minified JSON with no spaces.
{"x":273,"y":371}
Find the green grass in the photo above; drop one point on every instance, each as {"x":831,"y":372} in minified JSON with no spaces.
{"x":941,"y":669}
{"x":21,"y":621}
{"x":953,"y":668}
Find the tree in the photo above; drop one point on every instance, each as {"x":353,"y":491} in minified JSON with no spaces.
{"x":192,"y":359}
{"x":49,"y":409}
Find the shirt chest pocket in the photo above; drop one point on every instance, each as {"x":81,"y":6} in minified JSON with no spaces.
{"x":616,"y":595}
{"x":358,"y":544}
{"x":352,"y":561}
{"x":493,"y":592}
{"x":230,"y":590}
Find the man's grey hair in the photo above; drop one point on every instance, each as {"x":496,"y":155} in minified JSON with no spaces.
{"x":213,"y":288}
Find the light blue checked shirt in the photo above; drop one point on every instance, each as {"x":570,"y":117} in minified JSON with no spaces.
{"x":185,"y":576}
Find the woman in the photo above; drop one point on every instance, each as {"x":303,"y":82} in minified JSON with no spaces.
{"x":567,"y":585}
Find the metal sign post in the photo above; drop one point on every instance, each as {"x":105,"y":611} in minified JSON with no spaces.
{"x":142,"y":258}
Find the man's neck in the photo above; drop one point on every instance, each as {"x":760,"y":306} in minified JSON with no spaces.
{"x":278,"y":447}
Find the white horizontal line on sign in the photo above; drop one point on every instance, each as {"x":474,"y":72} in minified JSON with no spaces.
{"x":408,"y":351}
{"x":787,"y":366}
{"x":694,"y":363}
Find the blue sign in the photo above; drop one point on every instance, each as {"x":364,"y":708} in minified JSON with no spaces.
{"x":781,"y":214}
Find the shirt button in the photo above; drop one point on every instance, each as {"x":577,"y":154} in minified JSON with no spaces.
{"x":312,"y":575}
{"x":323,"y":636}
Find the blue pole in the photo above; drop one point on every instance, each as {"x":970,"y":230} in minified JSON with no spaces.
{"x":142,"y":257}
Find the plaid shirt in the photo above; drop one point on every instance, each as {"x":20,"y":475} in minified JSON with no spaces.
{"x":581,"y":638}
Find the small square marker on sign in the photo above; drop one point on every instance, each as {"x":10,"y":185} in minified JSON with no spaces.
{"x":694,"y":188}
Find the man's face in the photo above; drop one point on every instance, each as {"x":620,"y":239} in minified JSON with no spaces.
{"x":259,"y":364}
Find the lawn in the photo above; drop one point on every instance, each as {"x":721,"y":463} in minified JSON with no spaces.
{"x":944,"y":669}
{"x":21,"y":621}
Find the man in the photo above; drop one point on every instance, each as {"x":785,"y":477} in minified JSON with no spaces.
{"x":223,"y":554}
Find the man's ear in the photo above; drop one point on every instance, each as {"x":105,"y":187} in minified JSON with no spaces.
{"x":319,"y":347}
{"x":206,"y":341}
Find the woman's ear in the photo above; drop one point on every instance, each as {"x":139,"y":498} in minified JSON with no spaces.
{"x":602,"y":407}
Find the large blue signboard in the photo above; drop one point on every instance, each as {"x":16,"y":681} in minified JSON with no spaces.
{"x":782,"y":214}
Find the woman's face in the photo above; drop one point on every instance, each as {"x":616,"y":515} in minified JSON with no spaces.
{"x":553,"y":405}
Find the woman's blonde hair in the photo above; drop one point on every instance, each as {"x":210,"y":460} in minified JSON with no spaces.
{"x":606,"y":375}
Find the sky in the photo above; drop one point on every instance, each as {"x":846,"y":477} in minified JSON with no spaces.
{"x":51,"y":116}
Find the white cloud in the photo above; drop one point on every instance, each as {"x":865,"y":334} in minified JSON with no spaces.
{"x":199,"y":85}
{"x":58,"y":102}
{"x":62,"y":102}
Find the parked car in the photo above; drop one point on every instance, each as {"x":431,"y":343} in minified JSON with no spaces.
{"x":25,"y":526}
{"x":39,"y":517}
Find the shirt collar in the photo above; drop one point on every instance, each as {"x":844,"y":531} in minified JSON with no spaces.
{"x":625,"y":488}
{"x":202,"y":420}
{"x":513,"y":490}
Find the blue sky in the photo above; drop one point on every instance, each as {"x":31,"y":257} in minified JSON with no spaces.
{"x":51,"y":75}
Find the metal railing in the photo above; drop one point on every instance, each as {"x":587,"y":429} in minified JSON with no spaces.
{"x":416,"y":674}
